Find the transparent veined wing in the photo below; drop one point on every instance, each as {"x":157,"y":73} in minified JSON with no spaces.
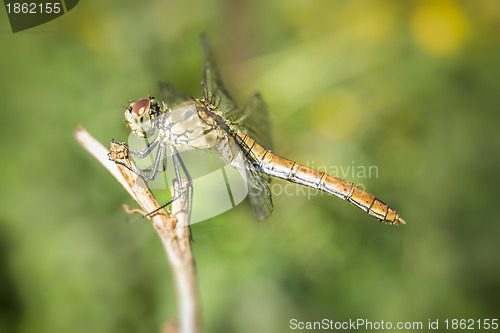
{"x":212,"y":88}
{"x":171,"y":96}
{"x":259,"y":193}
{"x":253,"y":119}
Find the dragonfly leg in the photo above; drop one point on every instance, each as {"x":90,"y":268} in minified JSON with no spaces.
{"x":143,"y":152}
{"x":189,"y":182}
{"x":140,"y":172}
{"x":177,"y":160}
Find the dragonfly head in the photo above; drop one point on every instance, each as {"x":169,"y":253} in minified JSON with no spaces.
{"x":139,"y":114}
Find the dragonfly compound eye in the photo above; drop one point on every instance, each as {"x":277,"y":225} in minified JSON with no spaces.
{"x":139,"y":114}
{"x":141,"y":106}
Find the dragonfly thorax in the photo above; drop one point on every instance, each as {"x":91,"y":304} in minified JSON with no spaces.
{"x":187,"y":126}
{"x":139,"y":115}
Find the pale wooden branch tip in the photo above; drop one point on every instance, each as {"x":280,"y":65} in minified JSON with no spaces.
{"x":171,"y":228}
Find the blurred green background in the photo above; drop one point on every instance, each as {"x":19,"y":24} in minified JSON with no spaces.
{"x":410,"y":87}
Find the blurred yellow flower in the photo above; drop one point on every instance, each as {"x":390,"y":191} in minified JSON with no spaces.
{"x":439,"y":27}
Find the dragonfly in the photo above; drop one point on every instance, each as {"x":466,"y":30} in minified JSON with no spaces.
{"x":241,"y":136}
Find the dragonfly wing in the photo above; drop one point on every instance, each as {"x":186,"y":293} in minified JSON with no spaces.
{"x":212,"y":88}
{"x":171,"y":96}
{"x":255,"y":183}
{"x":253,"y":119}
{"x":259,"y":193}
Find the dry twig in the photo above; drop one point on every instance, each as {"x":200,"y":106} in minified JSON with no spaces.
{"x":172,"y":229}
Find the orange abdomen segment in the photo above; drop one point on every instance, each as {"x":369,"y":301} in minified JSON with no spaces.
{"x":281,"y":167}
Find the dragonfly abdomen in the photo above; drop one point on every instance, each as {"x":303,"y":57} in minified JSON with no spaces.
{"x":277,"y":166}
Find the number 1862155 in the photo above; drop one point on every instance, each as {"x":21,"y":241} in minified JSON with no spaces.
{"x":471,"y":324}
{"x":33,"y":8}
